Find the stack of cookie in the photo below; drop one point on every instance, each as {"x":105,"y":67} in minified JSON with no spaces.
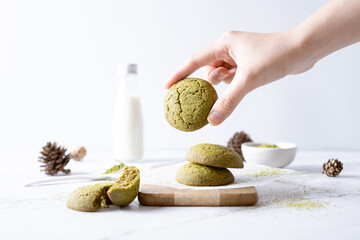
{"x":208,"y":166}
{"x":187,"y":106}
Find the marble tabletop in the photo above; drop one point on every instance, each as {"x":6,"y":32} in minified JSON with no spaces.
{"x":310,"y":205}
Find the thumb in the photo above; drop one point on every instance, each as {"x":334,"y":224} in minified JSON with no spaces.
{"x":227,"y":103}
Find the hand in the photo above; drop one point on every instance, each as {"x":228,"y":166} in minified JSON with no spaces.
{"x":245,"y":61}
{"x":249,"y":60}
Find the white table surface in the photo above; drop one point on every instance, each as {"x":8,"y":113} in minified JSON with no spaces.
{"x":41,"y":212}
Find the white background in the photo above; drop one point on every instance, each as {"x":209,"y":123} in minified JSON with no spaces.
{"x":58,"y":73}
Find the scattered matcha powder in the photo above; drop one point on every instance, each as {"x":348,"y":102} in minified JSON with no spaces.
{"x":264,"y":145}
{"x":114,"y":168}
{"x":271,"y":172}
{"x":295,"y":196}
{"x":303,"y":204}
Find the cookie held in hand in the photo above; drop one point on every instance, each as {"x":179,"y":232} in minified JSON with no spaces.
{"x":188,"y":103}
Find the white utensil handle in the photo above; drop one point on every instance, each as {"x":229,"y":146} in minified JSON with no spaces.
{"x":67,"y":178}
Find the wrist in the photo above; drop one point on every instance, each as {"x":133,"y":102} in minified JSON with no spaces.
{"x":303,"y":51}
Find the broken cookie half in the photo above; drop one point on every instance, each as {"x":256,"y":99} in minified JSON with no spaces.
{"x":121,"y":193}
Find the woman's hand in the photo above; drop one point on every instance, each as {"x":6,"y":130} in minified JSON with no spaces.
{"x":245,"y":61}
{"x":249,"y":60}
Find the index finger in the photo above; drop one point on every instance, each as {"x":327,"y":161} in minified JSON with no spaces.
{"x":196,"y":61}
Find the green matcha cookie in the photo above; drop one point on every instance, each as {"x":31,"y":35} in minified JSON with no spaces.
{"x":193,"y":174}
{"x":89,"y":198}
{"x":106,"y":186}
{"x":214,"y":155}
{"x":126,"y":188}
{"x":188,"y":103}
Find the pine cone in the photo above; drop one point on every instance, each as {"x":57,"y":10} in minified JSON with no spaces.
{"x":235,"y":142}
{"x":54,"y":158}
{"x":332,"y":167}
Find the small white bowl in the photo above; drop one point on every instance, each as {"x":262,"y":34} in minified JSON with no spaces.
{"x":273,"y":157}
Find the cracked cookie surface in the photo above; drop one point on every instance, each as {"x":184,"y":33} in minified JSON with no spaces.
{"x":89,"y":198}
{"x":188,"y":103}
{"x":193,"y":174}
{"x":214,"y":155}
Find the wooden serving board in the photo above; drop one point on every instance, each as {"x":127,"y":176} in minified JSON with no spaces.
{"x":153,"y":195}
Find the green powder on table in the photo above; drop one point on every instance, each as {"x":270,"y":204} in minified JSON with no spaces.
{"x":303,"y":204}
{"x":271,"y":172}
{"x":115,"y":168}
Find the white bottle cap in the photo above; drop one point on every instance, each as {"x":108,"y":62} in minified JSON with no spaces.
{"x":125,"y":68}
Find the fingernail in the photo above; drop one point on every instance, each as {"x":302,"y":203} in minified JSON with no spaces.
{"x":215,"y":118}
{"x":222,"y":76}
{"x":165,"y":85}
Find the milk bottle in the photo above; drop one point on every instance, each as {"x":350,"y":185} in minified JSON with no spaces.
{"x":127,"y":119}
